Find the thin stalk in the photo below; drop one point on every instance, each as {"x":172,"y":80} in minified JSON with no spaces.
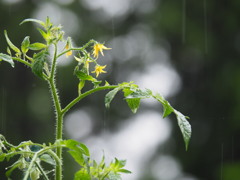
{"x":27,"y":64}
{"x":77,"y":49}
{"x":81,"y":96}
{"x":41,"y":170}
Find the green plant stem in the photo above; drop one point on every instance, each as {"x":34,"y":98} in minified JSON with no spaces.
{"x":27,"y":64}
{"x":59,"y":115}
{"x":81,"y":96}
{"x":77,"y":49}
{"x":36,"y":155}
{"x":58,"y":110}
{"x":41,"y":170}
{"x":22,"y":61}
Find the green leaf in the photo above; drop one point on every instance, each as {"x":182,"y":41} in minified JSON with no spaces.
{"x":83,"y":76}
{"x":38,"y":64}
{"x":44,"y":34}
{"x":77,"y":150}
{"x":9,"y":51}
{"x":82,"y":175}
{"x":2,"y":157}
{"x":25,"y":44}
{"x":7,"y":58}
{"x":33,"y":20}
{"x":75,"y":145}
{"x":11,"y":45}
{"x":48,"y":159}
{"x":48,"y":23}
{"x":78,"y":157}
{"x":125,"y":171}
{"x":114,"y":176}
{"x":110,"y":95}
{"x":167,"y":108}
{"x":133,"y":103}
{"x":80,"y":86}
{"x":185,"y":127}
{"x":37,"y":46}
{"x":138,"y":93}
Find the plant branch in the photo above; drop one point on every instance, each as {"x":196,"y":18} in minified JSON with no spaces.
{"x":59,"y":115}
{"x":81,"y":96}
{"x":41,"y":170}
{"x":22,"y":61}
{"x":76,"y":49}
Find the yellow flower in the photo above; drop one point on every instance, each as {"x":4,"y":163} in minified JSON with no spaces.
{"x":99,"y":69}
{"x":99,"y":48}
{"x":69,"y":53}
{"x":68,"y":46}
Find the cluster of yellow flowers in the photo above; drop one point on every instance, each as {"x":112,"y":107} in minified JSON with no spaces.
{"x":97,"y":48}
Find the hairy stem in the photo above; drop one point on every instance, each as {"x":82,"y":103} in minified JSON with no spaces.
{"x":22,"y":61}
{"x":59,"y":115}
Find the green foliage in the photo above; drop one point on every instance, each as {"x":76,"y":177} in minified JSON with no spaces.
{"x":11,"y":45}
{"x":6,"y":58}
{"x":31,"y":157}
{"x":133,"y":96}
{"x":25,"y":44}
{"x":38,"y":63}
{"x":92,"y":170}
{"x":185,"y":127}
{"x":110,"y":95}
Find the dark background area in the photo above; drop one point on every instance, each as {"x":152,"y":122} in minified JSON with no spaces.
{"x":202,"y":41}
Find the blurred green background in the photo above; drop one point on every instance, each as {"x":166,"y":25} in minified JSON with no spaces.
{"x":186,"y":50}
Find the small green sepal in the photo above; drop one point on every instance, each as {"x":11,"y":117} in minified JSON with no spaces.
{"x":11,"y":45}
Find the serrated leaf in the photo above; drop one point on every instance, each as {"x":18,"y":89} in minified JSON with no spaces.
{"x":38,"y":64}
{"x":110,"y":95}
{"x":83,"y":76}
{"x":33,"y":20}
{"x":25,"y":44}
{"x":37,"y":46}
{"x":48,"y":159}
{"x":7,"y":58}
{"x":11,"y":45}
{"x":184,"y":126}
